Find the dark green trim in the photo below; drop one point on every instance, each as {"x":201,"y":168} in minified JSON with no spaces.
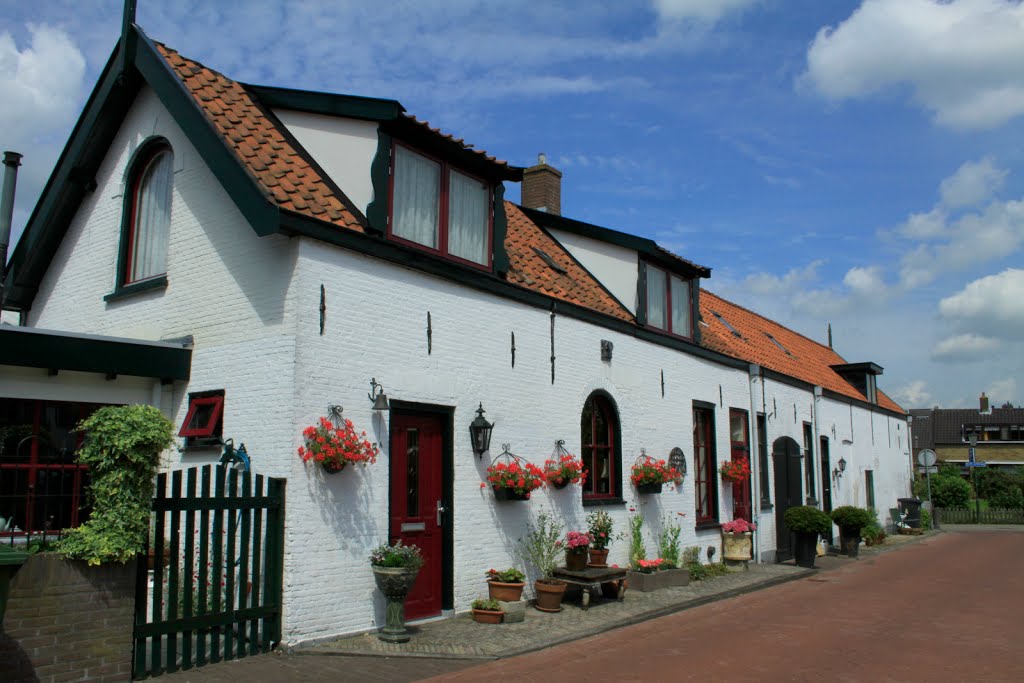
{"x":641,"y":293}
{"x":127,"y":200}
{"x":827,"y":393}
{"x":124,"y":291}
{"x":30,"y":348}
{"x":380,"y":174}
{"x":451,"y":150}
{"x":695,"y":316}
{"x":499,"y":229}
{"x":351,"y":106}
{"x":594,"y":502}
{"x":857,"y":368}
{"x":257,"y":207}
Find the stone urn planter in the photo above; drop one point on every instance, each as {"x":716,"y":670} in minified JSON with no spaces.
{"x":737,"y":546}
{"x":395,"y":583}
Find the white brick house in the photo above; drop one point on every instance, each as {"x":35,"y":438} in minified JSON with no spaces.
{"x":285,"y":266}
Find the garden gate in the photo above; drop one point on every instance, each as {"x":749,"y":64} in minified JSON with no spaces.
{"x":214,"y":592}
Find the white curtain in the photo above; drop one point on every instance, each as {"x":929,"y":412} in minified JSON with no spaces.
{"x":467,"y":218}
{"x":656,"y":290}
{"x":680,"y":307}
{"x":152,"y":218}
{"x":416,"y":198}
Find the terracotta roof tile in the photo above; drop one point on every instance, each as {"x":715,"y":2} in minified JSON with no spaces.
{"x":528,"y":269}
{"x":281,"y":171}
{"x":806,"y":359}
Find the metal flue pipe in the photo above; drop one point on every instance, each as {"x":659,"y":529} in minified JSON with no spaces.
{"x":12,"y":160}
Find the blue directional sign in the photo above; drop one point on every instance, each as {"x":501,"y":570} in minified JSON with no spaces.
{"x":970,"y":456}
{"x":977,"y":464}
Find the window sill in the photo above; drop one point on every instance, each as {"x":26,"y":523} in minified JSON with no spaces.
{"x":766,"y":507}
{"x":123,"y":291}
{"x":704,"y":526}
{"x":587,"y":502}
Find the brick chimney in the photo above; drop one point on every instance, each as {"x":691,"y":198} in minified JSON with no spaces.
{"x":542,"y":187}
{"x":983,"y":401}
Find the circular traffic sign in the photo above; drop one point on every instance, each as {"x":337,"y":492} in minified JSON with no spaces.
{"x":926,"y":457}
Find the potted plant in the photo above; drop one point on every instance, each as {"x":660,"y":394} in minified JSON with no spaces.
{"x":576,"y":544}
{"x":542,"y":548}
{"x":487,"y":611}
{"x":395,"y":567}
{"x":648,"y":575}
{"x":649,"y":474}
{"x":600,"y":528}
{"x":735,"y":470}
{"x":506,"y":585}
{"x":808,"y":523}
{"x":850,"y":520}
{"x":512,"y":478}
{"x":564,"y":469}
{"x":335,"y":445}
{"x":738,"y":540}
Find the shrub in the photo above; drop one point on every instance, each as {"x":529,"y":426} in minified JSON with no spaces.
{"x":926,"y":519}
{"x":873,"y":533}
{"x":1008,"y":499}
{"x":1000,"y":489}
{"x":807,"y":519}
{"x":542,"y":546}
{"x":122,"y":448}
{"x":851,"y":517}
{"x":950,"y":492}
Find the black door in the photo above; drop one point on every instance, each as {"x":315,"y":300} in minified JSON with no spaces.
{"x":787,"y":459}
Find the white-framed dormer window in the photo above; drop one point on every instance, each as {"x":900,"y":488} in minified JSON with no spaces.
{"x":148,"y":215}
{"x":668,"y":302}
{"x":439,"y":208}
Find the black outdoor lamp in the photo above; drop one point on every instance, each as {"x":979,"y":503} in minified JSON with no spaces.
{"x":377,"y":395}
{"x":480,"y":432}
{"x":838,"y":472}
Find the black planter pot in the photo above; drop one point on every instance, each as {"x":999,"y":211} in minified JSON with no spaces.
{"x":648,"y":488}
{"x":502,"y":493}
{"x":805,"y":549}
{"x":849,"y":541}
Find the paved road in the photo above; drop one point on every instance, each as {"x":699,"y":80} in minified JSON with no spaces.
{"x":948,"y":609}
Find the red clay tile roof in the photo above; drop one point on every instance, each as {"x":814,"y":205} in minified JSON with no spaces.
{"x":807,"y":359}
{"x":528,"y":269}
{"x":283,"y":174}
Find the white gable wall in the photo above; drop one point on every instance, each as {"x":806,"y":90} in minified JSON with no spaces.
{"x":617,"y":268}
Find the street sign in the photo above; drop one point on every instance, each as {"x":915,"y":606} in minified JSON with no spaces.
{"x":928,"y":470}
{"x":970,"y":455}
{"x":926,"y":458}
{"x":977,"y":464}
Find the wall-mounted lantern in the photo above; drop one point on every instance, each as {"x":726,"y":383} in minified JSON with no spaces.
{"x":837,"y":473}
{"x":480,"y":432}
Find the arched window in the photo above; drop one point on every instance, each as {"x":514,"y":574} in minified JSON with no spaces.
{"x":147,"y":215}
{"x":600,"y":444}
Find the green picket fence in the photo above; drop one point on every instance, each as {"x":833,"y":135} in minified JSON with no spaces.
{"x":214,"y":593}
{"x":970,"y":516}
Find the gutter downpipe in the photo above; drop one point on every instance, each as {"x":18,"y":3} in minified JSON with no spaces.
{"x":755,"y":457}
{"x":12,"y":160}
{"x":816,"y":450}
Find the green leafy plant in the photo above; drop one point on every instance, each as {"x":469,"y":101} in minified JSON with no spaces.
{"x":510,"y":575}
{"x":699,"y":571}
{"x":396,"y":555}
{"x":486,"y":604}
{"x":637,"y":551}
{"x":851,"y":517}
{"x":600,"y":526}
{"x":950,"y":492}
{"x":873,"y":533}
{"x":926,"y":519}
{"x":122,"y":448}
{"x":807,"y":519}
{"x":542,"y":547}
{"x":668,"y":543}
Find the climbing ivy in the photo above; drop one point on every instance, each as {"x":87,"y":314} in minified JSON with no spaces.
{"x":122,"y":447}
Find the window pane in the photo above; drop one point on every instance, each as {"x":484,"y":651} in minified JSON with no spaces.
{"x":412,"y":472}
{"x":738,"y":426}
{"x":656,"y":293}
{"x":681,"y":307}
{"x":467,"y":218}
{"x":416,"y":198}
{"x":152,"y":218}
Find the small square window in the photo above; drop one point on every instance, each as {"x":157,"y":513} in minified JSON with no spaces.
{"x":203,"y":421}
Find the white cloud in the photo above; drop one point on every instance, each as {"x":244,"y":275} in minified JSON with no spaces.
{"x":704,"y":11}
{"x":865,"y":281}
{"x":961,"y":60}
{"x":913,"y":394}
{"x":993,"y":305}
{"x":924,"y":226}
{"x":965,"y":347}
{"x":761,"y":284}
{"x":973,"y":183}
{"x":1002,"y":390}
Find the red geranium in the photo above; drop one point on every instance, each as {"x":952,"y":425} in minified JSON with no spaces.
{"x":735,"y":470}
{"x":567,"y":469}
{"x":647,"y":470}
{"x":336,"y":446}
{"x":521,"y":478}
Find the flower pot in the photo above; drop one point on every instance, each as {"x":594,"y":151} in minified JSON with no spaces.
{"x":395,"y":583}
{"x":333,"y":467}
{"x":737,"y":546}
{"x":648,"y":488}
{"x":502,"y":493}
{"x":598,"y":557}
{"x":486,"y":616}
{"x":559,"y":484}
{"x":805,"y":549}
{"x":576,"y":561}
{"x":849,"y":541}
{"x":506,"y":592}
{"x":549,"y":595}
{"x":645,"y":583}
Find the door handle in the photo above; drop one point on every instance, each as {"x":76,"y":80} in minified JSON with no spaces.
{"x":440,"y":511}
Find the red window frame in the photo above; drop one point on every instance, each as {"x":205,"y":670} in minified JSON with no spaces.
{"x":704,"y":471}
{"x":139,"y":169}
{"x":668,"y":301}
{"x":589,"y":451}
{"x":209,"y":428}
{"x":740,"y":450}
{"x":442,"y":214}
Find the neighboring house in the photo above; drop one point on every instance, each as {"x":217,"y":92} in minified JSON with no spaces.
{"x":947,"y":430}
{"x":293,"y":246}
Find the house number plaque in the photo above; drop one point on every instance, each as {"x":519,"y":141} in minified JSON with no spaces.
{"x":677,"y":460}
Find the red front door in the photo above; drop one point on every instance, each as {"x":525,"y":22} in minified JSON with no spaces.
{"x":416,"y":504}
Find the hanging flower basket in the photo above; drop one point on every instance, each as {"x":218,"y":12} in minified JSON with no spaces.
{"x":335,"y":444}
{"x":649,"y":474}
{"x":563,"y":468}
{"x":513,"y":478}
{"x":735,"y":470}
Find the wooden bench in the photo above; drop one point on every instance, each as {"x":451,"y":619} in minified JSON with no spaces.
{"x":591,"y":578}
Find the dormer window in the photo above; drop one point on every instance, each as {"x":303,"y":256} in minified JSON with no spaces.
{"x":863,"y":378}
{"x":440,"y":209}
{"x":668,"y":302}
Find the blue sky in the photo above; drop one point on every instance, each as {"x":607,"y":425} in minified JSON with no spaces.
{"x":852,"y":162}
